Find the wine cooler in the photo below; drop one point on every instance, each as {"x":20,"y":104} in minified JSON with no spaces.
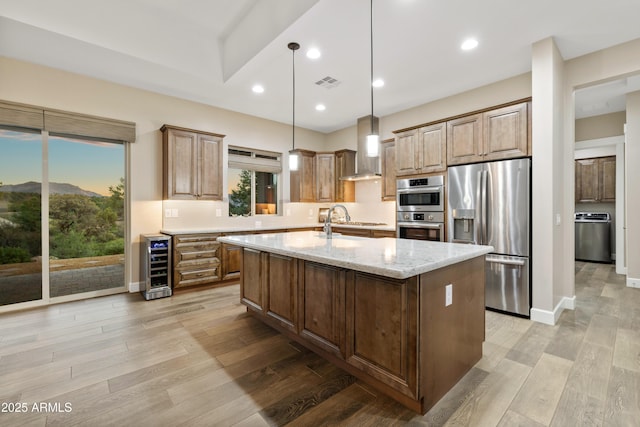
{"x":155,"y":266}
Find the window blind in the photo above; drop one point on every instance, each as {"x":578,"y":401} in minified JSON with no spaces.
{"x":65,"y":123}
{"x":261,"y":161}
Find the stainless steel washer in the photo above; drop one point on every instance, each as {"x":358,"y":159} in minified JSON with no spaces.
{"x":593,"y":236}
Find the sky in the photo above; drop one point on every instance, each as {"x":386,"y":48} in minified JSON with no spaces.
{"x":92,"y":166}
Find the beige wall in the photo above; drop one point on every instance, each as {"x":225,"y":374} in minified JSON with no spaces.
{"x":602,"y":126}
{"x":633,"y":189}
{"x":33,"y":84}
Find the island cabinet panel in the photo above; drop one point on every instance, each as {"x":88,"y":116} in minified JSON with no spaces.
{"x":281,"y":290}
{"x":251,"y":286}
{"x":323,"y":297}
{"x":382,"y":325}
{"x":231,"y":261}
{"x":451,"y":335}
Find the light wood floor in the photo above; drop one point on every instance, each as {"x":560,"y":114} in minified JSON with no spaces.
{"x":199,"y":359}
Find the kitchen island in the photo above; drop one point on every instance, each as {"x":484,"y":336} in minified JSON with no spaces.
{"x":405,"y":316}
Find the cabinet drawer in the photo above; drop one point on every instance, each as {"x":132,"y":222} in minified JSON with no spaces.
{"x":197,"y":277}
{"x":185,"y":239}
{"x":186,"y":255}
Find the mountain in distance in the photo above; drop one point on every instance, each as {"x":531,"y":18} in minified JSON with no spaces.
{"x":54,"y":188}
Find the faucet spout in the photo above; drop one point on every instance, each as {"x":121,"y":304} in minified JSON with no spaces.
{"x":327,"y":221}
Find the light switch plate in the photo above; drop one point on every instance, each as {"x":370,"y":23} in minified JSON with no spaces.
{"x":174,"y":213}
{"x":218,"y":212}
{"x":167,"y":213}
{"x":448,"y":298}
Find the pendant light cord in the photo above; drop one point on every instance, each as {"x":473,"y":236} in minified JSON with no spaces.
{"x":371,"y":81}
{"x":293,"y":46}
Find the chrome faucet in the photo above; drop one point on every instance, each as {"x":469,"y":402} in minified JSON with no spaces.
{"x":327,"y":221}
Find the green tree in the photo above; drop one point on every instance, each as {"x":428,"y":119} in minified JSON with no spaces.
{"x":27,"y":211}
{"x":240,"y":197}
{"x":73,"y":212}
{"x":116,"y":200}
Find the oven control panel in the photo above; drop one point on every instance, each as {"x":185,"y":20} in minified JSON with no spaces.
{"x":421,"y":216}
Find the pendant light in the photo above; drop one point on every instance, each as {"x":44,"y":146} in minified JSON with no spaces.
{"x":293,"y":155}
{"x":373,"y":145}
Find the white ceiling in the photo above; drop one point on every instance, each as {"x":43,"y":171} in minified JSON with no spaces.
{"x":214,"y":51}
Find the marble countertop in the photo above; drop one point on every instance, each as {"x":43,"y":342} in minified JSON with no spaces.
{"x":268,"y":227}
{"x":396,"y":258}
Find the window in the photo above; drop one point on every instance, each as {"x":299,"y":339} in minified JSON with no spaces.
{"x":253,"y":178}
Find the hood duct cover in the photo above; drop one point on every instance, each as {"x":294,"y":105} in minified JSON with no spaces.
{"x":366,"y":167}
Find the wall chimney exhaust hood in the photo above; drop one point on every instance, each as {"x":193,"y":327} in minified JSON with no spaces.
{"x":367,"y":168}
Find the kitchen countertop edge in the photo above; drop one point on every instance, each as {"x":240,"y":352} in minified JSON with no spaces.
{"x":411,"y":258}
{"x":173,"y":232}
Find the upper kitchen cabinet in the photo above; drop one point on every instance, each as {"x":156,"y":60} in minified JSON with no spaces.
{"x":596,"y":180}
{"x":192,"y":163}
{"x":464,"y":136}
{"x":506,"y":132}
{"x":303,"y":180}
{"x":496,"y":134}
{"x":421,"y":150}
{"x":388,"y":160}
{"x":345,"y":166}
{"x":325,"y":177}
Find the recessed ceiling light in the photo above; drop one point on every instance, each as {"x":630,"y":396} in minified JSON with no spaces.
{"x":313,"y":53}
{"x":378,"y":83}
{"x":469,"y":44}
{"x":257,"y":89}
{"x":320,"y":107}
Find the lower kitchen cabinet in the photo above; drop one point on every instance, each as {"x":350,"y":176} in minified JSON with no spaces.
{"x":382,"y":313}
{"x":231,"y":261}
{"x":196,"y":259}
{"x":322,"y":309}
{"x":281,"y":286}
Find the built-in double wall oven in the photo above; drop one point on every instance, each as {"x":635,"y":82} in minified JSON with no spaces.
{"x":420,"y":208}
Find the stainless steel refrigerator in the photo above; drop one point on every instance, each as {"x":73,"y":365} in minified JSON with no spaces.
{"x":490,"y":204}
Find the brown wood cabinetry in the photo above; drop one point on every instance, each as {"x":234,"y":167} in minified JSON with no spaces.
{"x":363,"y":232}
{"x":500,"y":133}
{"x":596,"y":180}
{"x":388,"y":163}
{"x":303,"y":181}
{"x":322,"y":308}
{"x":325,"y":177}
{"x":397,"y":335}
{"x":421,"y":150}
{"x":318,"y":177}
{"x":377,"y":234}
{"x":382,"y":315}
{"x":464,"y":140}
{"x":345,"y":166}
{"x":281,"y":286}
{"x":196,"y":259}
{"x":192,"y":163}
{"x":231,"y":260}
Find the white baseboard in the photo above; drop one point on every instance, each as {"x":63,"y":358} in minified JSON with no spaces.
{"x":134,"y":287}
{"x":633,"y":283}
{"x":551,"y":317}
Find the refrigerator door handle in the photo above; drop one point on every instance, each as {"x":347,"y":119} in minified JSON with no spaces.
{"x":477,"y":232}
{"x":518,"y":262}
{"x":483,"y":203}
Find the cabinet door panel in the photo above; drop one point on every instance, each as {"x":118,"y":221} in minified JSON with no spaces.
{"x":406,"y":153}
{"x":432,"y":140}
{"x":251,"y":287}
{"x":384,"y":316}
{"x":210,"y":168}
{"x":464,"y":140}
{"x":608,"y":179}
{"x":587,"y":172}
{"x":231,"y":261}
{"x":505,"y":132}
{"x":182,"y":167}
{"x":323,"y":293}
{"x":388,"y":161}
{"x":325,"y":176}
{"x":282,"y":290}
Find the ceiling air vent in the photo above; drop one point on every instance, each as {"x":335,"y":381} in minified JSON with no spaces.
{"x":328,"y":82}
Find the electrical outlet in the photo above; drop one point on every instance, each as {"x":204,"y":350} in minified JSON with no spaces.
{"x":167,"y":213}
{"x":218,"y":212}
{"x":288,"y":212}
{"x":448,"y":298}
{"x":174,"y":213}
{"x":258,"y":224}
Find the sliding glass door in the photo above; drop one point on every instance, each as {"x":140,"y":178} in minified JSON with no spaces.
{"x":79,"y":185}
{"x":20,"y":217}
{"x":86,"y":216}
